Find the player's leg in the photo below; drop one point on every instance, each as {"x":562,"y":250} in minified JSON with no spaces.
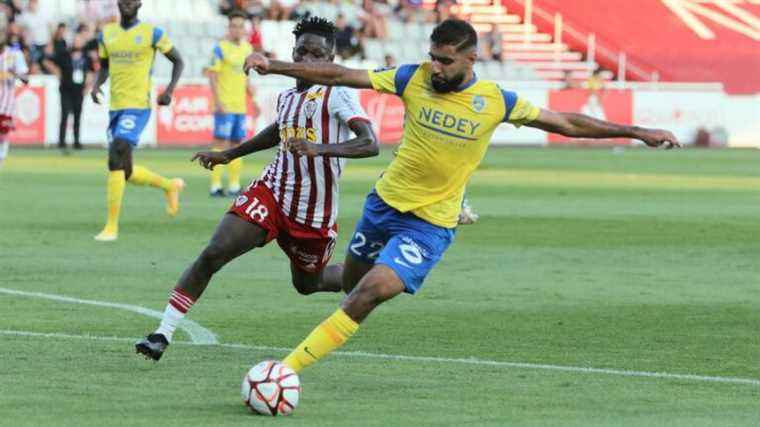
{"x":78,"y":101}
{"x":222,"y":131}
{"x":354,"y":269}
{"x":235,"y":168}
{"x":247,"y":225}
{"x":328,"y":279}
{"x":66,"y":108}
{"x":119,"y":165}
{"x":4,"y":147}
{"x":233,"y":237}
{"x":414,"y":249}
{"x":129,"y":127}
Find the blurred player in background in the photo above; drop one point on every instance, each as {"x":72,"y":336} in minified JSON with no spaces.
{"x":230,"y":86}
{"x":127,"y":50}
{"x":410,"y":217}
{"x":296,"y":199}
{"x":12,"y":67}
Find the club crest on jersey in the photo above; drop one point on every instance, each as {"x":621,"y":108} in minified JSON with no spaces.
{"x":310,"y":108}
{"x":138,"y":39}
{"x":478,"y":103}
{"x":240,"y":201}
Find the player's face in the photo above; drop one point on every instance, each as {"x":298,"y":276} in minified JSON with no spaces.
{"x":129,"y":8}
{"x":236,"y":28}
{"x":449,"y":67}
{"x":312,"y":48}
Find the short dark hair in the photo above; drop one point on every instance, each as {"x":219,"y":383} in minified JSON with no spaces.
{"x":318,"y":26}
{"x":237,"y":13}
{"x":455,"y":32}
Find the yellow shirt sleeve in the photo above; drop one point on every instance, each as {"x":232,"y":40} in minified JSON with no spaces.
{"x":523,"y":112}
{"x":161,"y":41}
{"x":392,"y":80}
{"x":102,"y":52}
{"x":216,"y":59}
{"x":518,"y":111}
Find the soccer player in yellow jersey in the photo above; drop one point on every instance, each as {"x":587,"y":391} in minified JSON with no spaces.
{"x":127,"y":50}
{"x":229,"y":85}
{"x":410,"y":217}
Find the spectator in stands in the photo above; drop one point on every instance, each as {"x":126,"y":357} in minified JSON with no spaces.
{"x":16,"y":38}
{"x":494,"y":41}
{"x":595,"y":83}
{"x":227,"y":6}
{"x":373,"y":21}
{"x":98,"y":11}
{"x":10,"y":8}
{"x":36,"y":24}
{"x":389,"y":61}
{"x":73,"y":68}
{"x":255,"y":39}
{"x":347,"y":43}
{"x":255,"y":8}
{"x":91,"y":43}
{"x":443,"y":10}
{"x":567,"y":81}
{"x":280,"y":10}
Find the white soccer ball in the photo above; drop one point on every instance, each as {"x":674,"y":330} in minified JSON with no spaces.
{"x":271,"y":388}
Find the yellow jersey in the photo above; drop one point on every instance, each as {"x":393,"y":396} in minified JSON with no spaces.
{"x":445,"y":138}
{"x":227,"y":62}
{"x":130,"y":53}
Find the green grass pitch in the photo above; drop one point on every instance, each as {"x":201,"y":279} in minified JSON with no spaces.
{"x":637,"y":260}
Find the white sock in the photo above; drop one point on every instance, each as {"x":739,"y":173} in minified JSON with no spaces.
{"x":169,"y":322}
{"x":179,"y":304}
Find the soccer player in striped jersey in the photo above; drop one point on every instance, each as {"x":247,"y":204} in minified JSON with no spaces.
{"x":12,"y":67}
{"x":230,"y":87}
{"x":410,"y":217}
{"x":295,"y":201}
{"x":127,"y":50}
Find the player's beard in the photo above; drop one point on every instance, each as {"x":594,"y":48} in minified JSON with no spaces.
{"x":442,"y":85}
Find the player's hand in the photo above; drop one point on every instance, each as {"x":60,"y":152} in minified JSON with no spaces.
{"x":209,"y":159}
{"x":658,"y":138}
{"x":258,"y":62}
{"x":165,"y":98}
{"x":302,"y":147}
{"x":96,"y":94}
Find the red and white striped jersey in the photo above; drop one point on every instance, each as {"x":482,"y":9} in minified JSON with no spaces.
{"x":306,"y":189}
{"x":11,"y":61}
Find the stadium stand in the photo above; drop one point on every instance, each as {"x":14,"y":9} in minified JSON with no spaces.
{"x":675,"y":40}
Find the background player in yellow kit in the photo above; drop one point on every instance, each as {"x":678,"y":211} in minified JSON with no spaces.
{"x":127,"y":50}
{"x":410,"y":217}
{"x":230,"y":86}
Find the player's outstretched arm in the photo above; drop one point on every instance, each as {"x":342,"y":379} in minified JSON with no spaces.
{"x":581,"y":126}
{"x":323,"y":73}
{"x":177,"y":66}
{"x":267,"y":138}
{"x":364,"y":145}
{"x":99,"y":80}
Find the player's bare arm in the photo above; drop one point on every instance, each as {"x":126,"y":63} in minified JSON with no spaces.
{"x":102,"y":77}
{"x":213,"y":79}
{"x":364,"y":145}
{"x":267,"y":138}
{"x":323,"y":73}
{"x":581,"y":126}
{"x":177,"y":66}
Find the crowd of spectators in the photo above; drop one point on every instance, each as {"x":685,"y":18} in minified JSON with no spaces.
{"x":357,"y":20}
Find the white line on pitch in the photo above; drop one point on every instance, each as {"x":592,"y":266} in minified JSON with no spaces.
{"x":198,"y":334}
{"x":470,"y":361}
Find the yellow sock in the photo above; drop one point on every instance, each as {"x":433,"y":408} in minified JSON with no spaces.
{"x":114,"y":195}
{"x":328,"y":336}
{"x":143,"y":176}
{"x":235,"y":168}
{"x":216,"y":175}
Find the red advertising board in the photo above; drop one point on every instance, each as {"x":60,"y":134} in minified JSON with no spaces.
{"x":387,"y":115}
{"x":189,"y":120}
{"x":30,"y":116}
{"x":612,"y":105}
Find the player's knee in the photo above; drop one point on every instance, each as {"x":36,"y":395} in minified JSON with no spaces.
{"x":118,"y":154}
{"x":305,"y":285}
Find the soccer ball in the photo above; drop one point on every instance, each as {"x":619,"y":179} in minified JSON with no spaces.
{"x":271,"y":388}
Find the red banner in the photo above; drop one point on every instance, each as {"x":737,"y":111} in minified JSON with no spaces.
{"x":30,"y":116}
{"x":189,"y":120}
{"x":611,"y":105}
{"x":386,"y":113}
